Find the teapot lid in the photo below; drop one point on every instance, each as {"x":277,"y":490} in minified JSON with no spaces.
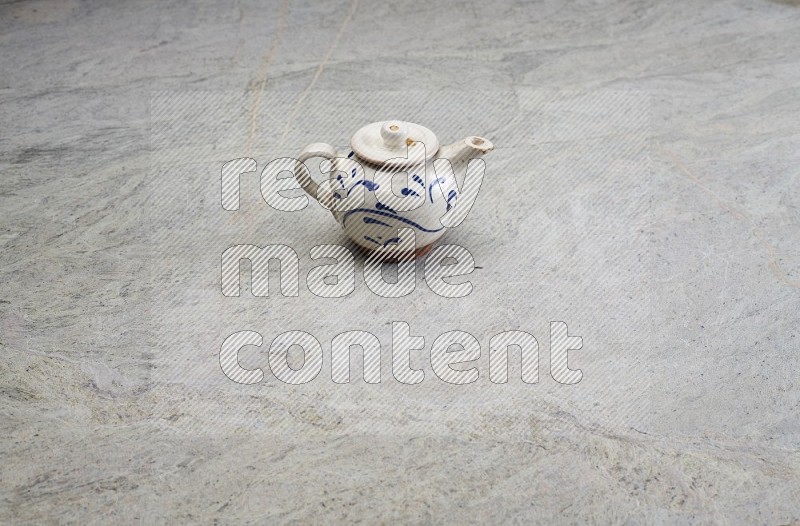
{"x":398,"y":142}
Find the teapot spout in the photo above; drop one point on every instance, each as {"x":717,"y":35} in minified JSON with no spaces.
{"x":466,"y":149}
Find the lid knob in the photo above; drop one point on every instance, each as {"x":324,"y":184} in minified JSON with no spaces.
{"x":396,"y":142}
{"x":394,"y":133}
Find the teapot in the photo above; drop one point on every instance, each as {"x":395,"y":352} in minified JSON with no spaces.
{"x":387,"y":180}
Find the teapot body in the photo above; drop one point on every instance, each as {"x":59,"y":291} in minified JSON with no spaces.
{"x":394,"y":175}
{"x":371,"y":203}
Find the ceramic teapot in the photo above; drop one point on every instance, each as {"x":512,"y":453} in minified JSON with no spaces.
{"x":387,"y":180}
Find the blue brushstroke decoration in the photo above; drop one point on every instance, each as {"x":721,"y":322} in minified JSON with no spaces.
{"x":370,"y":185}
{"x":390,"y":216}
{"x":372,"y":240}
{"x":373,"y":221}
{"x":452,"y":195}
{"x":381,"y":206}
{"x":440,"y":180}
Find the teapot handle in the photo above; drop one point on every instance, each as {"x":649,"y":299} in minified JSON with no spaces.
{"x":301,"y":173}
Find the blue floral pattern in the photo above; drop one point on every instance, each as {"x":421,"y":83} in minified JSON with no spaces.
{"x":376,"y":216}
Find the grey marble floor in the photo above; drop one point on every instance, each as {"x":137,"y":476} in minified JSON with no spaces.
{"x":644,"y":190}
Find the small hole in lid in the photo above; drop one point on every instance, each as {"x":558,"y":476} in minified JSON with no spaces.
{"x":394,"y":127}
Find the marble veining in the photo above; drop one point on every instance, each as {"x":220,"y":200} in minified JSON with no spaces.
{"x":675,"y":258}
